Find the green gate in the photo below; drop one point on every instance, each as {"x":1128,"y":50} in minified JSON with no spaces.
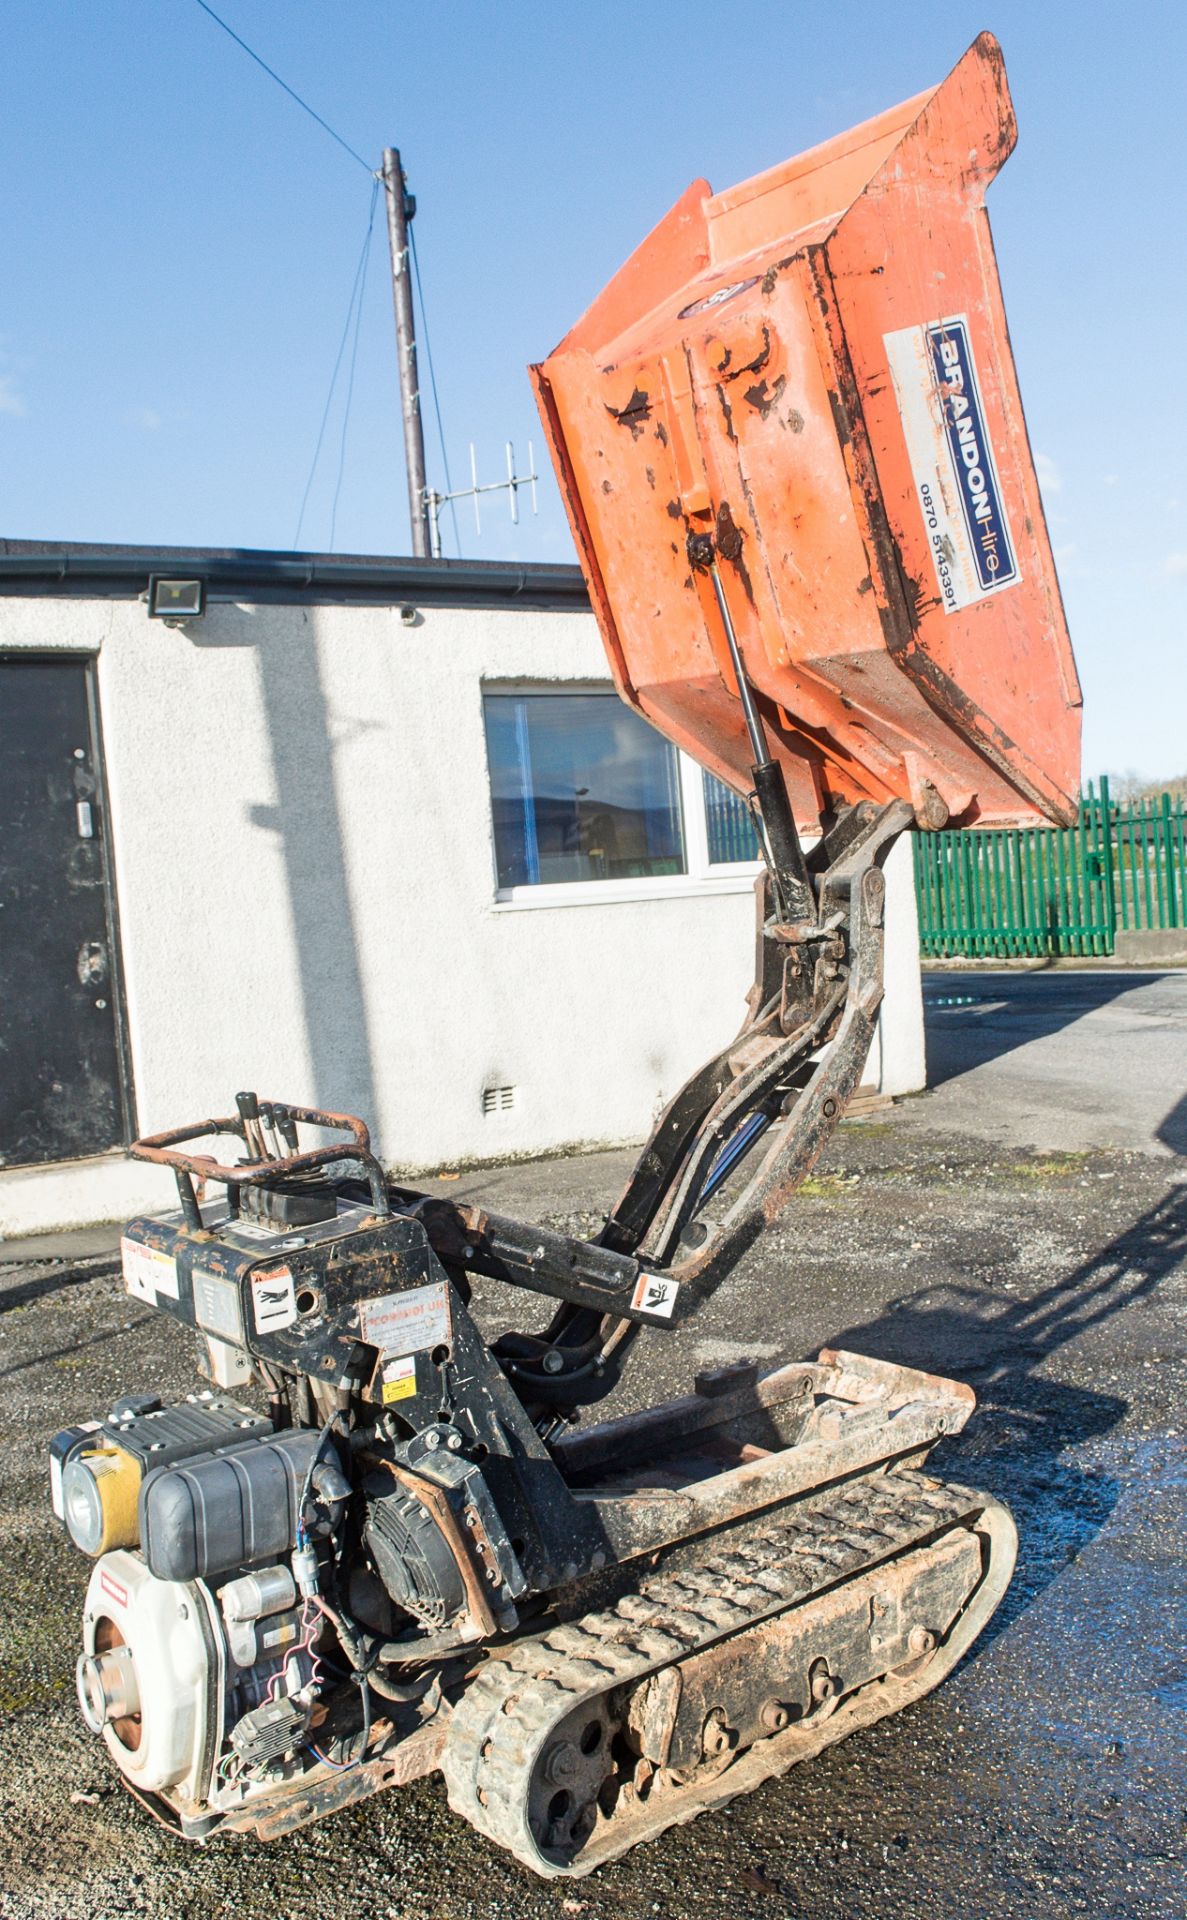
{"x":1047,"y":890}
{"x":1149,"y":840}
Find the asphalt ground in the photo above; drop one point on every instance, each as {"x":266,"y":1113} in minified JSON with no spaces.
{"x":1023,"y":1227}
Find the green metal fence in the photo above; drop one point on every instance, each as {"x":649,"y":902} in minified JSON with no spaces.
{"x":1150,"y":861}
{"x":1045,"y":890}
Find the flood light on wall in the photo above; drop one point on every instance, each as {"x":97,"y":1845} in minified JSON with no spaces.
{"x":175,"y":601}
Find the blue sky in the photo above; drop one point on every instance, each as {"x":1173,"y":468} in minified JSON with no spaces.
{"x":180,"y":242}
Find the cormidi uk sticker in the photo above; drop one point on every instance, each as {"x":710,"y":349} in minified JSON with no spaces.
{"x":956,"y":479}
{"x":411,"y":1322}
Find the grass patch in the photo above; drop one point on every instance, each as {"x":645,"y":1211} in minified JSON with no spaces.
{"x":1049,"y":1166}
{"x":824,"y":1186}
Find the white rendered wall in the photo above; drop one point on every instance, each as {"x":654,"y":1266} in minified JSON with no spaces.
{"x":305,"y":875}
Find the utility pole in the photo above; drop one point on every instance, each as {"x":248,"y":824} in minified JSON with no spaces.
{"x":400,"y":209}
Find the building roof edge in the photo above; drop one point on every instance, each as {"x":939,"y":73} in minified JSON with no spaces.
{"x":86,"y":570}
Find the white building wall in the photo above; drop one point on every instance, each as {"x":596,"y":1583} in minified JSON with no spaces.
{"x":305,"y":871}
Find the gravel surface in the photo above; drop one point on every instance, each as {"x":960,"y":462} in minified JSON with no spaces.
{"x":1046,"y":1778}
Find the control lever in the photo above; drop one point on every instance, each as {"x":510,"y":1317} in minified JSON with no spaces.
{"x":249,"y":1113}
{"x":268,"y":1122}
{"x":287,"y":1127}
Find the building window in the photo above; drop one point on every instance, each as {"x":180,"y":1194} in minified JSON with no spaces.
{"x":589,"y":801}
{"x":728,"y":824}
{"x":582,"y":790}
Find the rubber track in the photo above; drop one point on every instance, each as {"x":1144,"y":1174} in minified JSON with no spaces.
{"x":503,"y":1721}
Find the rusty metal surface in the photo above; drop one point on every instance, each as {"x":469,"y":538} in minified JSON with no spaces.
{"x":843,"y":1001}
{"x":779,"y":1672}
{"x":161,"y":1149}
{"x":858,"y":1377}
{"x":779,"y":1401}
{"x":865,"y":1416}
{"x":767,"y":1065}
{"x":744,"y":373}
{"x":513,"y":1753}
{"x":396,"y":1761}
{"x":482,"y":1622}
{"x":521,"y":1254}
{"x":880,"y":1400}
{"x":370,"y":1257}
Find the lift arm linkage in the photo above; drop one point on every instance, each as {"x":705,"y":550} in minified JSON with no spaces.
{"x":769,"y":1101}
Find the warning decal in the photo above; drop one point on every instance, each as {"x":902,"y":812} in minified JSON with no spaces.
{"x":956,"y":480}
{"x":148,"y":1272}
{"x":273,"y":1299}
{"x":216,"y":1305}
{"x":399,"y":1379}
{"x":655,"y":1295}
{"x":113,"y":1588}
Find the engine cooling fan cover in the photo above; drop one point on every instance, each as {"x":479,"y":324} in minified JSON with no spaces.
{"x":410,"y":1554}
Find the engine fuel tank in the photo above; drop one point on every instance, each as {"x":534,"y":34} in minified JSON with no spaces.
{"x":814,"y":368}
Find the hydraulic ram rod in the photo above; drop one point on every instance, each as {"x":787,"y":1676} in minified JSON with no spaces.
{"x":785,"y":855}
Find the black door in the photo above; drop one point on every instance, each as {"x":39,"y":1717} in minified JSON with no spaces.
{"x":62,"y":1091}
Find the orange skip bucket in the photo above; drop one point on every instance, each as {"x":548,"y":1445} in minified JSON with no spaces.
{"x":817,"y":361}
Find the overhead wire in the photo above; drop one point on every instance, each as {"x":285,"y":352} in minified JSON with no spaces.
{"x":291,"y":91}
{"x":377,"y":177}
{"x":424,"y":321}
{"x":360,"y":274}
{"x":354,"y":354}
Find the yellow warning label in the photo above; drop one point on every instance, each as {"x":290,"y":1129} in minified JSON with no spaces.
{"x":399,"y":1379}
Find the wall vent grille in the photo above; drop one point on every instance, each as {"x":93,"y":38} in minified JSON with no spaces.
{"x":498,"y":1099}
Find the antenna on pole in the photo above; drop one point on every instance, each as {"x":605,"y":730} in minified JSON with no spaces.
{"x":434,"y":501}
{"x":400,"y":209}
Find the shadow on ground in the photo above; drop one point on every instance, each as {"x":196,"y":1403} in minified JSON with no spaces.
{"x":1173,"y":1131}
{"x":973,"y":1018}
{"x":1028,"y":1419}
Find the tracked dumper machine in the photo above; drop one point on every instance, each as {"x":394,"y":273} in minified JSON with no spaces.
{"x":792,"y":448}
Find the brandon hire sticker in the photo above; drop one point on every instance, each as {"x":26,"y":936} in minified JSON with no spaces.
{"x":952,"y":460}
{"x":273,"y":1299}
{"x":148,"y":1272}
{"x":655,"y":1295}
